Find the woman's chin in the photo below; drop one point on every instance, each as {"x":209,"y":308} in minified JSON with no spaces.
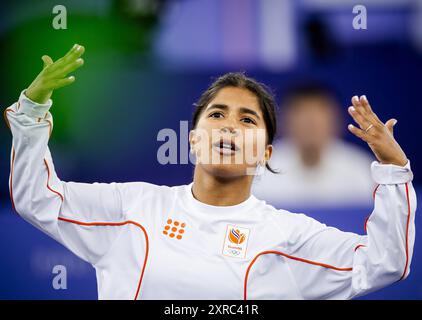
{"x":222,"y":170}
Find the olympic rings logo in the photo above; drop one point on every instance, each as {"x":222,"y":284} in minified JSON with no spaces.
{"x":234,"y":252}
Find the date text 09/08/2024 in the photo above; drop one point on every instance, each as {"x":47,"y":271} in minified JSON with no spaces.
{"x":211,"y":309}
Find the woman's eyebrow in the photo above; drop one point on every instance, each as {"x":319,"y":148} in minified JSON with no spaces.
{"x":217,"y":106}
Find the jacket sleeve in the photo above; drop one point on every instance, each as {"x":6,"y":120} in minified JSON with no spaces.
{"x":341,"y":265}
{"x":83,"y":217}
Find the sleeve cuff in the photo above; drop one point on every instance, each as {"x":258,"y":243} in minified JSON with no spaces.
{"x":391,"y":173}
{"x":33,"y":109}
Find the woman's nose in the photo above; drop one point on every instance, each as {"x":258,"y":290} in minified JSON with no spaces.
{"x":230,"y":125}
{"x":230,"y":129}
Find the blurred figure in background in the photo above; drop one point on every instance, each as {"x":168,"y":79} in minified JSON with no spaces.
{"x":316,"y":167}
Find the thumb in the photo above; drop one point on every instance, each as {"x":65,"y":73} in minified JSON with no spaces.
{"x":47,"y":61}
{"x":390,"y":124}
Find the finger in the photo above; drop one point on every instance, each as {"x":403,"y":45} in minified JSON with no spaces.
{"x":63,"y":82}
{"x":60,"y":73}
{"x":356,"y":103}
{"x":390,"y":124}
{"x":358,"y":132}
{"x":365,"y":103}
{"x":360,"y":109}
{"x":60,"y":61}
{"x":71,"y":56}
{"x":367,"y":107}
{"x":71,"y":51}
{"x":47,"y":61}
{"x":359,"y":118}
{"x":74,"y":53}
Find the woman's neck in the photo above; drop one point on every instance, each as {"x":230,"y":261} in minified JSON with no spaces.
{"x":220,"y":191}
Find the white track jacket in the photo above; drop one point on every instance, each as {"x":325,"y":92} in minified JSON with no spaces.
{"x":157,"y":242}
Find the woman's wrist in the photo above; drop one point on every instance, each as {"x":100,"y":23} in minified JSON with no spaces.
{"x":37,"y":96}
{"x":398,"y":162}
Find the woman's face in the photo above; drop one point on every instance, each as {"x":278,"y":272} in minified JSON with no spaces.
{"x":230,"y":136}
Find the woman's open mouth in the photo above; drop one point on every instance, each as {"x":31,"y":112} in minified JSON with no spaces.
{"x":225,"y":147}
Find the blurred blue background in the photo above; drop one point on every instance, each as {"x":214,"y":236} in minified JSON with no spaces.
{"x":147,"y":62}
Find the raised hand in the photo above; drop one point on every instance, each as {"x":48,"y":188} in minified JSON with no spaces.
{"x":54,"y":75}
{"x":378,"y":135}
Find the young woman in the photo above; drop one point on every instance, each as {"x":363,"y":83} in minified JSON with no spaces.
{"x":211,"y":239}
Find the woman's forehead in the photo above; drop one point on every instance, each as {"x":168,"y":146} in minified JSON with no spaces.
{"x":234,"y":97}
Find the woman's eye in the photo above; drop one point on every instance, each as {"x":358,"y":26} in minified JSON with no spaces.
{"x":215,"y":115}
{"x":248,"y":120}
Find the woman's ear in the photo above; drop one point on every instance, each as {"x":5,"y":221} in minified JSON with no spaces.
{"x":268,"y":152}
{"x":192,"y":139}
{"x":192,"y":136}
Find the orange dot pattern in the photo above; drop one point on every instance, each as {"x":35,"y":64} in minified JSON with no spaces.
{"x":174,"y":229}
